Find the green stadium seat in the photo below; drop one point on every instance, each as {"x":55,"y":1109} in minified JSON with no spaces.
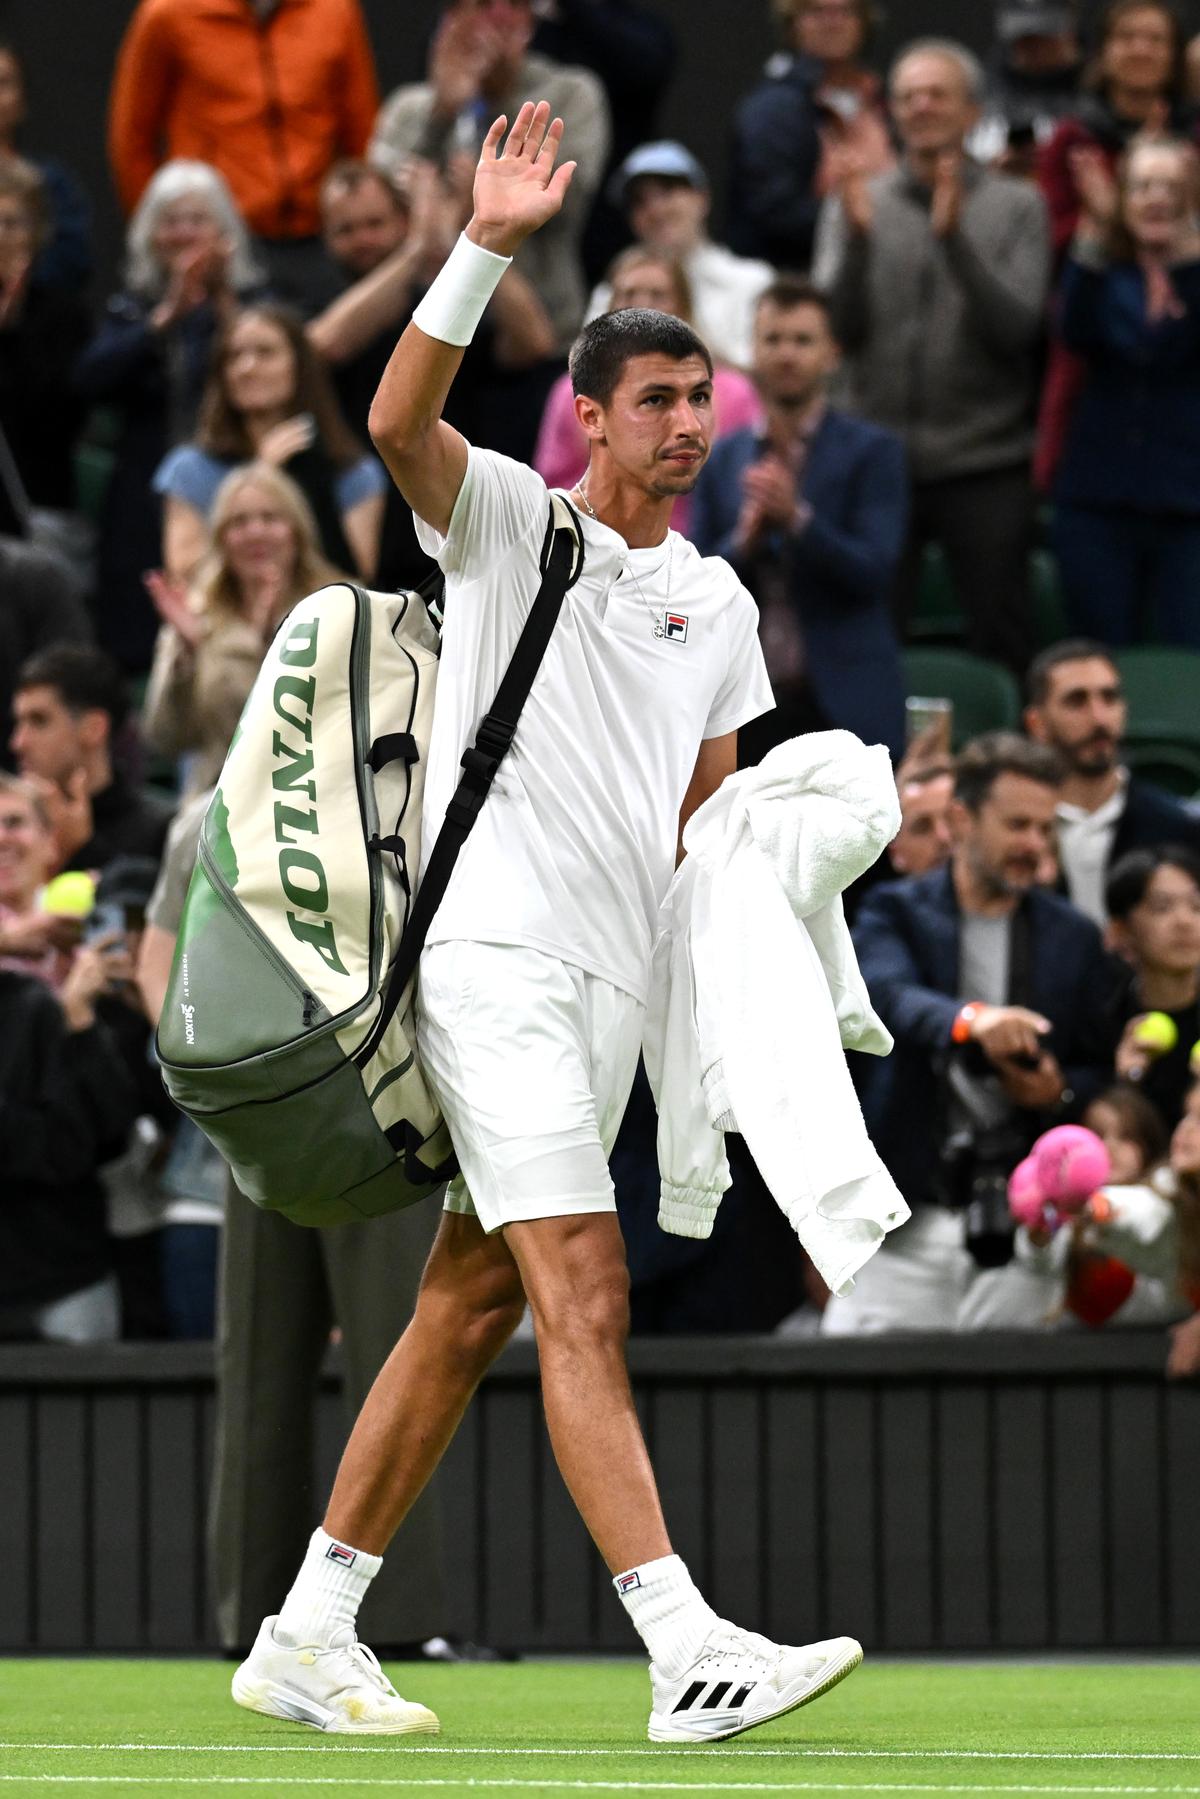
{"x":1175,"y":766}
{"x":93,"y":472}
{"x":1162,"y":691}
{"x":937,"y":616}
{"x":1046,"y":595}
{"x":985,"y":696}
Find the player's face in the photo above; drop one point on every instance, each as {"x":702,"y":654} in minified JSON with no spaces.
{"x":794,"y":352}
{"x":658,"y":424}
{"x":1007,"y":839}
{"x":26,"y":850}
{"x":47,"y":737}
{"x":258,"y":537}
{"x":668,"y":213}
{"x":931,"y":102}
{"x":1083,"y":715}
{"x":260,"y":370}
{"x":363,"y":226}
{"x":1163,"y":929}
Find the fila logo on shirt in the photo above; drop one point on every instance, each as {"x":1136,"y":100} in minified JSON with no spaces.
{"x":337,"y":1552}
{"x":675,"y":626}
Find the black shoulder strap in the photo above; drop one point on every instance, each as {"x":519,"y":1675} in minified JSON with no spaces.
{"x":562,"y":564}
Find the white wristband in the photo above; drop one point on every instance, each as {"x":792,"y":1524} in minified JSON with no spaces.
{"x":459,"y":294}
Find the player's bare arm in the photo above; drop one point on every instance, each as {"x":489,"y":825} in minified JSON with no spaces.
{"x":717,"y":758}
{"x":517,"y":188}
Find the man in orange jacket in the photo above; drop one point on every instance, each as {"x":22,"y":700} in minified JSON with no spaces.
{"x":270,"y":92}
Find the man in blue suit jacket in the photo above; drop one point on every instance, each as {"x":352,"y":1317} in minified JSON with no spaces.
{"x":812,"y":512}
{"x":996,"y":993}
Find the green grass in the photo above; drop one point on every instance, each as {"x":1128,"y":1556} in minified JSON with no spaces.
{"x":156,"y":1727}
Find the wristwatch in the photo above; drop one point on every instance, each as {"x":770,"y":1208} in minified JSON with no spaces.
{"x":960,"y":1030}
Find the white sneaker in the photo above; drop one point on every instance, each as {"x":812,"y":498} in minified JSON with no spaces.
{"x":740,"y":1680}
{"x":339,"y":1687}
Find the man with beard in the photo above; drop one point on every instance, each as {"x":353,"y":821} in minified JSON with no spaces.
{"x":1075,"y":706}
{"x":996,"y":994}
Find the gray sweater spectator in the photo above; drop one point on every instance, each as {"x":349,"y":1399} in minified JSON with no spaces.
{"x":938,"y":272}
{"x":478,"y":68}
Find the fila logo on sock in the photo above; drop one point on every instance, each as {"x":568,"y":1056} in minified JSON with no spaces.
{"x":676,"y":625}
{"x":337,"y":1552}
{"x":627,"y":1582}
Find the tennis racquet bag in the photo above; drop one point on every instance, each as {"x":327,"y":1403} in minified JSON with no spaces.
{"x":287,"y":1033}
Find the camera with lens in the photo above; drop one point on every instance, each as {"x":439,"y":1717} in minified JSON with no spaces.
{"x":976,"y":1164}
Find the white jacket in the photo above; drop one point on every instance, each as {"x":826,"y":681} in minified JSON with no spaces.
{"x":755,"y":990}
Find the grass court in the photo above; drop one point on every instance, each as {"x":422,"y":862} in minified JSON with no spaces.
{"x":145,"y":1728}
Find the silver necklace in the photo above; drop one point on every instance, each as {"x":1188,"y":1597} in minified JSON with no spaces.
{"x":655,"y":617}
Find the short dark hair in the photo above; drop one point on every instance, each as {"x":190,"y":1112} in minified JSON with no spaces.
{"x":606,"y":344}
{"x":1130,"y":878}
{"x":998,"y":753}
{"x":1071,"y":649}
{"x":85,"y":679}
{"x":789,"y":291}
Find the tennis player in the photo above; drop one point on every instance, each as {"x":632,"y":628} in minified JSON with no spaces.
{"x":534,"y":980}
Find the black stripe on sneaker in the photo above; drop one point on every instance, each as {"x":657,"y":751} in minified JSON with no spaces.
{"x":690,"y":1697}
{"x":715,"y":1697}
{"x":740,"y":1697}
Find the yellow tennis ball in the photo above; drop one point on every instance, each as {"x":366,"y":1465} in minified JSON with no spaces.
{"x":1157,"y":1033}
{"x":71,"y":895}
{"x":1194,"y":1060}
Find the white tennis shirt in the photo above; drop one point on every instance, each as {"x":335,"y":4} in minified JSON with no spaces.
{"x":575,"y":848}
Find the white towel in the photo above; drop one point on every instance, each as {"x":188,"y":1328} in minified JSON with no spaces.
{"x":777,"y":993}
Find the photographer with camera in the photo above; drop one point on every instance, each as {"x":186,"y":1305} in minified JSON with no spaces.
{"x":995,"y":991}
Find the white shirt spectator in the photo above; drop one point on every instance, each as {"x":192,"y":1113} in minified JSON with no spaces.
{"x":1085,"y":841}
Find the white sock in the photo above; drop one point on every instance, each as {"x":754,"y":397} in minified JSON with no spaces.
{"x":668,"y":1611}
{"x":327,"y":1592}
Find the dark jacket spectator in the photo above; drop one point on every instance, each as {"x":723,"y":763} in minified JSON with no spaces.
{"x":1076,"y":707}
{"x":188,"y":260}
{"x":938,"y":273}
{"x":822,"y":542}
{"x":1137,"y":81}
{"x":907,"y":937}
{"x":816,"y":105}
{"x":66,"y":1105}
{"x":1033,"y":83}
{"x":1153,"y":900}
{"x":42,"y":330}
{"x":65,"y":259}
{"x":1127,"y":519}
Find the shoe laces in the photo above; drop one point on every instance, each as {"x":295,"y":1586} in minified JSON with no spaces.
{"x":363,"y":1661}
{"x":747,"y":1645}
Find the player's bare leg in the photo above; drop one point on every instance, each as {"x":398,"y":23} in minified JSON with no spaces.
{"x":307,"y":1665}
{"x":470,"y":1302}
{"x":576,"y":1278}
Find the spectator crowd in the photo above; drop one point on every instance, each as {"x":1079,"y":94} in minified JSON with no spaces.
{"x":956,"y":328}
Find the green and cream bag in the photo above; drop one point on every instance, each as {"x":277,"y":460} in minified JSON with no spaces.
{"x":269,"y":1034}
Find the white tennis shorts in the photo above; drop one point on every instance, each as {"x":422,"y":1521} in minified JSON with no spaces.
{"x":532,"y":1060}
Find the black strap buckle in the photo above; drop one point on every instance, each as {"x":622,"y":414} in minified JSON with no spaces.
{"x":494,"y":736}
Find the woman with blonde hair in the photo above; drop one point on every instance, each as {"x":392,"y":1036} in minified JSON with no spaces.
{"x":263,"y":556}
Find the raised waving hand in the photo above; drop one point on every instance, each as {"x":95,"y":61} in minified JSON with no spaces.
{"x":517,"y":187}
